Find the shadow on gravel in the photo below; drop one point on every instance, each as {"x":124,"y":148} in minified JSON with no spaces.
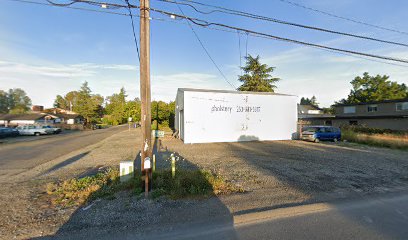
{"x":330,"y":173}
{"x":66,"y":162}
{"x":131,"y":216}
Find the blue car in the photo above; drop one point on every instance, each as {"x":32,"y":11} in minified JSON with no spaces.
{"x":319,"y":133}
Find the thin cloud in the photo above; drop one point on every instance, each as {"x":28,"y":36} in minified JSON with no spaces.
{"x":61,"y":71}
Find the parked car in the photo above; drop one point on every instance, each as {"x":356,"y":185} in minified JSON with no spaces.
{"x":55,"y":130}
{"x":318,"y":133}
{"x":8,"y":132}
{"x":34,"y":130}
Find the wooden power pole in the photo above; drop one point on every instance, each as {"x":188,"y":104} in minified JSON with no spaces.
{"x":145,"y":93}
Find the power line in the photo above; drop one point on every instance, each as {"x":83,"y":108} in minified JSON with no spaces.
{"x":133,"y":29}
{"x":269,"y":19}
{"x":344,"y":18}
{"x":206,"y":24}
{"x":339,"y":51}
{"x":239,"y":48}
{"x":70,"y":7}
{"x":206,"y":51}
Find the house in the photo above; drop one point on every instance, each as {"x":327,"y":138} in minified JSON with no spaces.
{"x":203,"y":115}
{"x":65,"y":116}
{"x":27,"y":118}
{"x":70,"y":119}
{"x":312,"y":115}
{"x":388,"y":114}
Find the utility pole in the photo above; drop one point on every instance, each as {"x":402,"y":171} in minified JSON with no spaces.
{"x":145,"y":93}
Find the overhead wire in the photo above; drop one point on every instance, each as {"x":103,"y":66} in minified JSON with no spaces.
{"x":239,"y":48}
{"x":269,"y":19}
{"x":71,"y":7}
{"x":206,"y":51}
{"x":206,"y":24}
{"x":344,"y":18}
{"x":370,"y":57}
{"x":133,"y":28}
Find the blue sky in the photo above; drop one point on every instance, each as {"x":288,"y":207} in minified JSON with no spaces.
{"x":50,"y":50}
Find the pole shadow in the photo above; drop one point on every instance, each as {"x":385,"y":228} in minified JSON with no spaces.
{"x":131,"y":216}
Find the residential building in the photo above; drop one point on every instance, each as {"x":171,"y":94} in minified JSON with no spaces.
{"x":388,"y":114}
{"x":313,"y":115}
{"x":27,"y":118}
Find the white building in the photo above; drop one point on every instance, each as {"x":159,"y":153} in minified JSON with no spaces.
{"x":229,"y":116}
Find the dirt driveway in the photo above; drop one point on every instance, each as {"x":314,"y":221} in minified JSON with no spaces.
{"x":282,"y":173}
{"x":274,"y":174}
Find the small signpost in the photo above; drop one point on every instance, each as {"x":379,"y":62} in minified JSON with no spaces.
{"x":129,"y":121}
{"x":158,"y":133}
{"x":147,"y":166}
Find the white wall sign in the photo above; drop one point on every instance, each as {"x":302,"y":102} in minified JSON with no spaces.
{"x":230,"y":117}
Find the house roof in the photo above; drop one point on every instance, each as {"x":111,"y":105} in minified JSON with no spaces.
{"x":305,"y":107}
{"x":68,"y":116}
{"x":230,"y":91}
{"x":58,"y":110}
{"x":25,"y":116}
{"x":373,"y":102}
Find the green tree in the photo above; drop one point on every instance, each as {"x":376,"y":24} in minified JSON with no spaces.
{"x":87,"y":104}
{"x":66,"y":102}
{"x":3,"y":102}
{"x":133,"y":109}
{"x":374,"y":88}
{"x":309,"y":101}
{"x":116,"y":107}
{"x":257,"y":76}
{"x":18,"y":101}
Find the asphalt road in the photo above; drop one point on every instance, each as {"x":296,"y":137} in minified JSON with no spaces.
{"x":21,"y":156}
{"x":374,"y":218}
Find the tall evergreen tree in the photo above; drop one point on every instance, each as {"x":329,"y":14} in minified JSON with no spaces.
{"x":257,"y":76}
{"x":116,"y":107}
{"x":86,"y":104}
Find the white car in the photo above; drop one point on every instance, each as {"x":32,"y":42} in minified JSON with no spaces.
{"x":34,"y":130}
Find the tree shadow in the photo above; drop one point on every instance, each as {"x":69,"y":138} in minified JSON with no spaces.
{"x":131,"y":216}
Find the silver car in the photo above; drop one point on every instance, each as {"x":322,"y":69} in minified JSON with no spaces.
{"x":33,"y":130}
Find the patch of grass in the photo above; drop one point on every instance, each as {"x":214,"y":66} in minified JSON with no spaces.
{"x":78,"y":191}
{"x":395,"y":141}
{"x":191,"y":184}
{"x":185,"y":184}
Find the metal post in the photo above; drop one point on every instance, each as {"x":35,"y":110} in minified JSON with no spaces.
{"x":173,"y":166}
{"x":154,"y":162}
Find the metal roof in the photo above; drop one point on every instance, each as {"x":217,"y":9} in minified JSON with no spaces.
{"x":230,"y":91}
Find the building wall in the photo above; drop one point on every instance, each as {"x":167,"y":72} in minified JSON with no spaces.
{"x":383,"y":123}
{"x":232,"y":117}
{"x":178,"y":116}
{"x":362,"y":110}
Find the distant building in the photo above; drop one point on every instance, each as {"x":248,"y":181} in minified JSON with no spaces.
{"x":65,"y":116}
{"x":58,"y":110}
{"x":313,"y":115}
{"x":27,"y":118}
{"x":388,"y":114}
{"x":37,"y":108}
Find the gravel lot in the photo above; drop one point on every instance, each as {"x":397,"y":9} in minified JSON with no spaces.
{"x":282,"y":173}
{"x":274,"y":174}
